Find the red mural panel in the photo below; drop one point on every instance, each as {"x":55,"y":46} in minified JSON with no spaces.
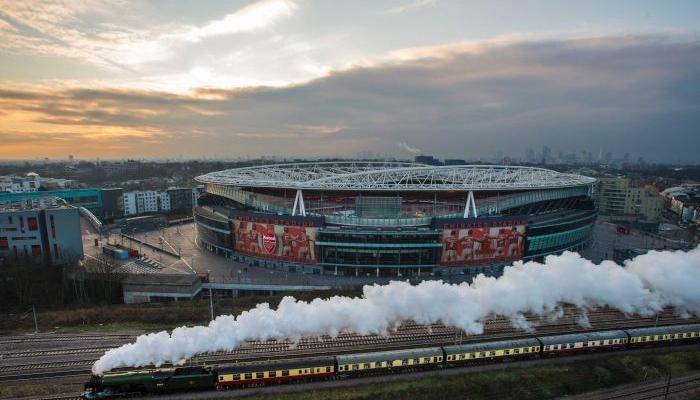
{"x":283,"y":242}
{"x":482,"y":242}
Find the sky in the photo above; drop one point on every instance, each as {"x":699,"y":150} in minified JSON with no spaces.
{"x":302,"y":78}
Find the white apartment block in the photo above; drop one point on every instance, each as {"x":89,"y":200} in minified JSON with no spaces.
{"x":146,"y":201}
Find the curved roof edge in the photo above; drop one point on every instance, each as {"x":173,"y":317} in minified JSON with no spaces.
{"x":393,"y":176}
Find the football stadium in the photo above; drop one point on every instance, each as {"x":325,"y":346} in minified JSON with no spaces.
{"x":392,"y":218}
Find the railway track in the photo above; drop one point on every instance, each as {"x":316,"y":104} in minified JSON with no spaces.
{"x":408,"y":335}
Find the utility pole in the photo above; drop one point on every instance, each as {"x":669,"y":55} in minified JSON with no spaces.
{"x":211,"y":296}
{"x":36,"y":325}
{"x":668,"y":386}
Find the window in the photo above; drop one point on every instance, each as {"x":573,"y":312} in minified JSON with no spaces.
{"x":404,"y":362}
{"x":36,"y":250}
{"x":4,"y":243}
{"x":546,"y":347}
{"x":328,"y":369}
{"x":506,"y":352}
{"x":482,"y":354}
{"x":285,"y":372}
{"x":365,"y":366}
{"x":259,"y":375}
{"x":236,"y":377}
{"x":9,"y":219}
{"x":526,"y":350}
{"x":32,"y":223}
{"x":249,"y":376}
{"x":355,"y":367}
{"x":221,"y":377}
{"x":492,"y":353}
{"x":271,"y":374}
{"x":516,"y":351}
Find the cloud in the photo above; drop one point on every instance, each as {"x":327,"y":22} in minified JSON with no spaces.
{"x":69,"y":30}
{"x":637,"y":95}
{"x":255,"y":16}
{"x":413,"y":5}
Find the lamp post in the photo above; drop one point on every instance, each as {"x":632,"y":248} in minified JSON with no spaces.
{"x":211,"y":296}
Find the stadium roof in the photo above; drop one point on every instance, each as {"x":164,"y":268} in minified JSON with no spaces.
{"x":393,"y":176}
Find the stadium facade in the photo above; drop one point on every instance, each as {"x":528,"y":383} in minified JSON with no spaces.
{"x":392,"y":218}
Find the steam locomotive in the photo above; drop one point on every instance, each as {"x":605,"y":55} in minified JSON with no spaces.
{"x":249,"y":374}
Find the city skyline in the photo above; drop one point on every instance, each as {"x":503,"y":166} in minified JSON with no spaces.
{"x":307,"y":79}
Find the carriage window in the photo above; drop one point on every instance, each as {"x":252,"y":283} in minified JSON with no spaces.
{"x":355,"y":367}
{"x":366,"y":366}
{"x":259,"y":375}
{"x":272,"y":374}
{"x":328,"y":369}
{"x":516,"y":351}
{"x":221,"y":377}
{"x":236,"y":377}
{"x":249,"y":376}
{"x":404,"y":362}
{"x":285,"y":373}
{"x":526,"y":350}
{"x":506,"y":351}
{"x":492,"y":353}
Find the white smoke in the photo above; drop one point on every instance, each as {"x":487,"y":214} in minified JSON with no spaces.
{"x":409,"y":149}
{"x":643,"y":286}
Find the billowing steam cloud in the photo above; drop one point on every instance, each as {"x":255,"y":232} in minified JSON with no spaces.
{"x":644,"y":285}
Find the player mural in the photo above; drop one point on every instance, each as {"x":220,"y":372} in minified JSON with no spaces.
{"x":289,"y":240}
{"x":484,"y":241}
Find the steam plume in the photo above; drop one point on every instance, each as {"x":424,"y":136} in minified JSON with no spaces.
{"x":409,"y":149}
{"x":643,"y":286}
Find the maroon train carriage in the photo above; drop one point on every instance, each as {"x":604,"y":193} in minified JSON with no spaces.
{"x":655,"y":336}
{"x":492,"y":351}
{"x":281,"y":371}
{"x":583,"y":342}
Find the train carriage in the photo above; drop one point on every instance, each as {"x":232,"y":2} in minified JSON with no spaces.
{"x":260,"y":373}
{"x":583,"y":342}
{"x":491,"y":351}
{"x":367,"y":363}
{"x":664,"y":334}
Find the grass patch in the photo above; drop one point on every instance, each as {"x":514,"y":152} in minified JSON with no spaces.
{"x":540,"y":382}
{"x":144,"y":317}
